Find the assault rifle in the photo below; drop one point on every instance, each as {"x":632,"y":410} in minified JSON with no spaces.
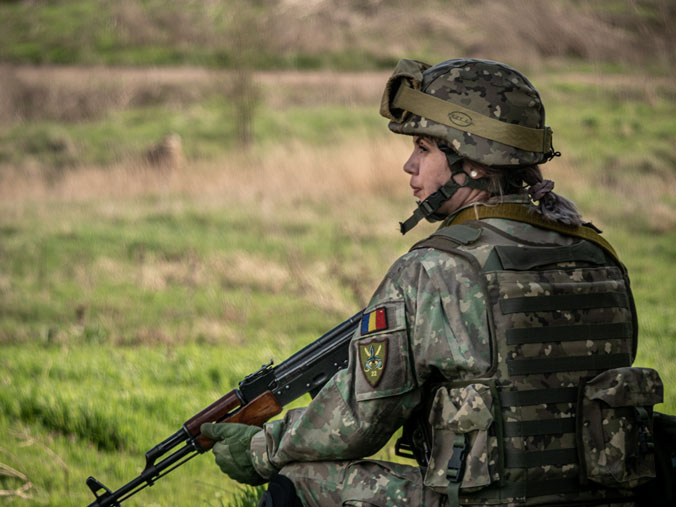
{"x":259,"y":397}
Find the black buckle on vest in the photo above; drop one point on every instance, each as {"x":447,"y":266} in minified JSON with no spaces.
{"x":403,"y":449}
{"x":456,"y":465}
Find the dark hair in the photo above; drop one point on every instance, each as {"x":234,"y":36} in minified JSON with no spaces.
{"x":550,"y":205}
{"x":514,"y":180}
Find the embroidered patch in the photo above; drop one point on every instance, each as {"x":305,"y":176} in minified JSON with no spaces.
{"x":373,"y":321}
{"x":373,"y":358}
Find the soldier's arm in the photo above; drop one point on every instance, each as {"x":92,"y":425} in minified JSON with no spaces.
{"x":359,"y":409}
{"x":426,"y":315}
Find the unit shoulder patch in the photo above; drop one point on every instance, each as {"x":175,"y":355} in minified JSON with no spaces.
{"x":380,"y":352}
{"x":373,"y":359}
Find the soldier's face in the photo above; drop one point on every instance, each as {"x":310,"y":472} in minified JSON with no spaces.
{"x":428,"y":168}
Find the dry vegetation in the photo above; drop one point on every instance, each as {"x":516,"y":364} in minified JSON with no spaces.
{"x":299,"y":171}
{"x":184,"y":258}
{"x":522,"y":32}
{"x":71,"y":94}
{"x":282,"y":174}
{"x":531,"y":33}
{"x":519,"y":31}
{"x":293,"y":33}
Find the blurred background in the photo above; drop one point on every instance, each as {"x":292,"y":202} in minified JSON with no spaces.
{"x":191,"y":188}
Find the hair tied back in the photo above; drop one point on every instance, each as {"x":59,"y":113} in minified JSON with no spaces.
{"x":540,"y":189}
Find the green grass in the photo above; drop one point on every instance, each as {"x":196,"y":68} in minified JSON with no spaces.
{"x":610,"y":130}
{"x":93,"y":393}
{"x":607,"y":133}
{"x":154,"y":32}
{"x":649,"y":258}
{"x":121,"y":318}
{"x":615,"y":126}
{"x":78,"y":273}
{"x":207,"y":131}
{"x":371,"y":35}
{"x":97,"y":368}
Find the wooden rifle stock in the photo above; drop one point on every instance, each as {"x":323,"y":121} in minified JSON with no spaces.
{"x":260,"y":397}
{"x":255,"y":413}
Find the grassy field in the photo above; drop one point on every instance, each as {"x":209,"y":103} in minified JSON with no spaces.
{"x":337,"y":34}
{"x":130,"y":299}
{"x":132,"y":296}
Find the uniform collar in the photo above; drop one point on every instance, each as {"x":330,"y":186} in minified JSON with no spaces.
{"x":520,"y":198}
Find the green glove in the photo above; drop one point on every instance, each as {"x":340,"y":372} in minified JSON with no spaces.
{"x":231,"y":449}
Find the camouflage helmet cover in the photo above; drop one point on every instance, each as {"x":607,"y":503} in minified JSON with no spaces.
{"x":508,"y":106}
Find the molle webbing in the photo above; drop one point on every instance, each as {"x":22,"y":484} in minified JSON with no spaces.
{"x":564,"y":302}
{"x":546,"y":427}
{"x":568,"y":364}
{"x":530,"y":459}
{"x":557,"y":314}
{"x":529,"y":489}
{"x":573,"y":332}
{"x":538,"y":397}
{"x":523,"y":213}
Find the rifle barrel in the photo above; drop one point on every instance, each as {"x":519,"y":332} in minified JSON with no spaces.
{"x":260,"y":396}
{"x":146,"y":478}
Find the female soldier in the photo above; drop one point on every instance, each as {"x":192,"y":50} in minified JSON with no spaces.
{"x":494,"y":342}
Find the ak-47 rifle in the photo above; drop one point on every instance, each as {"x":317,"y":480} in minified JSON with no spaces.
{"x":259,"y":397}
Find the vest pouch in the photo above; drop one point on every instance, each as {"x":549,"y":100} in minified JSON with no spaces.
{"x":464,"y":447}
{"x":616,"y":427}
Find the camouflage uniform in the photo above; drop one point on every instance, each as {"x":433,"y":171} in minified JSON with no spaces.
{"x":437,"y":323}
{"x":507,"y":345}
{"x":435,"y":319}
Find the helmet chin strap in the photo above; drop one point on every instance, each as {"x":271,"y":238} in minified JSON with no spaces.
{"x":428,"y":208}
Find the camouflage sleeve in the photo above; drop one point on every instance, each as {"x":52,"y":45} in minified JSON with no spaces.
{"x":360,"y":408}
{"x":450,"y":331}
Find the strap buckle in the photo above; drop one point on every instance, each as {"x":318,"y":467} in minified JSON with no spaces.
{"x":403,"y":448}
{"x":429,"y":206}
{"x":426,"y":207}
{"x":456,"y":465}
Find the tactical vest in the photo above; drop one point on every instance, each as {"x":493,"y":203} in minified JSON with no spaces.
{"x":561,"y":417}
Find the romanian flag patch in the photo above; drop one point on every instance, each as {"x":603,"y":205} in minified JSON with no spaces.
{"x":373,"y":321}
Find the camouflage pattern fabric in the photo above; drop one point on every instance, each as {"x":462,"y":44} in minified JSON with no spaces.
{"x":360,"y":483}
{"x":490,"y":88}
{"x":560,"y":315}
{"x":435,"y":310}
{"x":611,"y":430}
{"x":465,"y":411}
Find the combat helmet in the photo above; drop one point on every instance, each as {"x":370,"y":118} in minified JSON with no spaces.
{"x":481,"y":110}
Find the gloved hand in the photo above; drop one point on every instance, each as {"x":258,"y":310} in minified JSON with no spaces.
{"x":231,"y":450}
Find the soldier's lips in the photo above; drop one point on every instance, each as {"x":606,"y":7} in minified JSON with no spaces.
{"x":415,"y":190}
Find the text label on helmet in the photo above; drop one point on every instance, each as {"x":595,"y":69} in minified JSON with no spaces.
{"x":460,"y":119}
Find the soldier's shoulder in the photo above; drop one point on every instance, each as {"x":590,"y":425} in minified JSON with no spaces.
{"x":425,"y":258}
{"x":420,"y":256}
